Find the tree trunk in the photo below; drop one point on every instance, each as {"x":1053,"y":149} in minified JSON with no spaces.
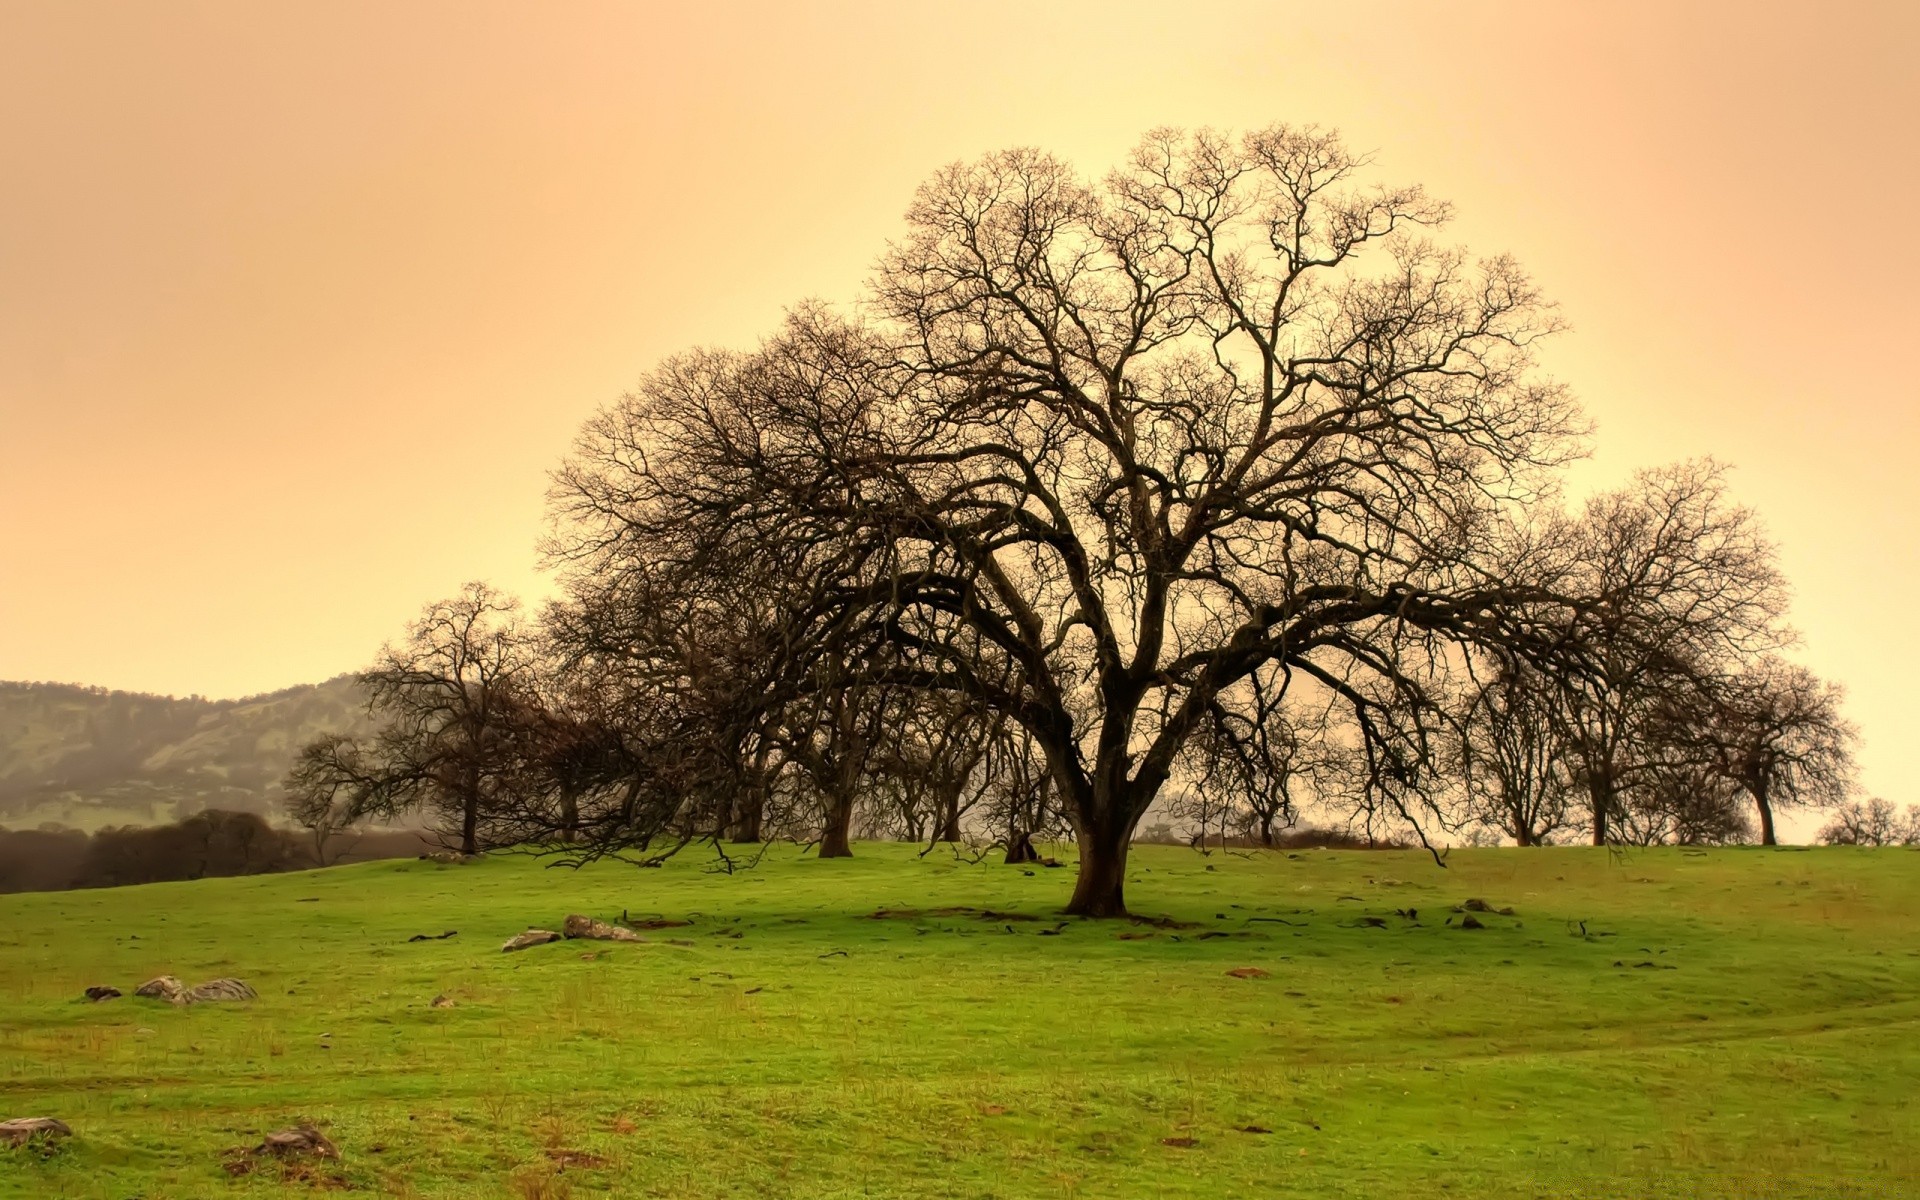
{"x":833,"y":839}
{"x":569,"y":816}
{"x":949,"y":816}
{"x":747,"y":816}
{"x":1020,"y":849}
{"x":1766,"y":818}
{"x":1100,"y":891}
{"x":470,"y":825}
{"x":1600,"y":796}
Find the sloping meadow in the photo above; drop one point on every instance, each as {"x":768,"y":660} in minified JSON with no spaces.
{"x":1656,"y":1023}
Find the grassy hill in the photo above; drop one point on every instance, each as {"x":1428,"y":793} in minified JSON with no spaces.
{"x":88,"y":757}
{"x":1665,"y":1023}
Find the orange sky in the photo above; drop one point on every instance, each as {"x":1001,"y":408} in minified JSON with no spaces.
{"x":299,"y":302}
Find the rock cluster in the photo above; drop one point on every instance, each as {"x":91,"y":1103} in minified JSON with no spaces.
{"x":300,"y":1140}
{"x":576,"y":926}
{"x":167,"y":988}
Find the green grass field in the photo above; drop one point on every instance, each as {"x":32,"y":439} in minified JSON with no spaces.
{"x":1732,"y":1023}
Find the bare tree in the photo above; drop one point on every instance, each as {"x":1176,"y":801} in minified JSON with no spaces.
{"x":1095,"y":454}
{"x":1513,"y":755}
{"x":1681,"y":800}
{"x":1872,"y":822}
{"x":443,"y":748}
{"x":1681,"y":589}
{"x":1776,"y":732}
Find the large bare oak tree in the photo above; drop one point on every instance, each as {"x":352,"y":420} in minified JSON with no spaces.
{"x":1099,"y":455}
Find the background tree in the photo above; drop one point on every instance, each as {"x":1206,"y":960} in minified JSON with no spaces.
{"x":1872,"y":822}
{"x":1513,"y":757}
{"x":1775,"y":731}
{"x":446,"y":699}
{"x":1680,"y":589}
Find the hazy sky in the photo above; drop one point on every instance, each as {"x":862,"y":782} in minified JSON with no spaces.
{"x":298,"y":303}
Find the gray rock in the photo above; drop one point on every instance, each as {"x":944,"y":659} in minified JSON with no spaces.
{"x":97,"y":994}
{"x":166,"y":987}
{"x":532,"y":937}
{"x":219,"y":989}
{"x":443,"y":1001}
{"x":299,"y":1141}
{"x":577,"y":926}
{"x":21,"y":1130}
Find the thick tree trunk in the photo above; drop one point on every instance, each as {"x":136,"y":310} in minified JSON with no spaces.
{"x":1766,"y":819}
{"x":1101,"y":889}
{"x":833,"y":839}
{"x":1020,"y":849}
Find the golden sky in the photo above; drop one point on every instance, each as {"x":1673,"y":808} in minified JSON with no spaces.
{"x":299,"y":302}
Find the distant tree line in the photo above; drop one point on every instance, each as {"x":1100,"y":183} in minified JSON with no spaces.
{"x":1219,"y":488}
{"x":203,"y":846}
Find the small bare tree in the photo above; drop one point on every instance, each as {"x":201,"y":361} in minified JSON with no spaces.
{"x":443,"y":747}
{"x":1872,"y":822}
{"x":1775,"y":731}
{"x":1514,"y":757}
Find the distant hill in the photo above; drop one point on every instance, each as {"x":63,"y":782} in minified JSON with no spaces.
{"x":88,"y":757}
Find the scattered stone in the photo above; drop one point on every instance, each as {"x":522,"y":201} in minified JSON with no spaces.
{"x":97,"y":994}
{"x":1249,"y":973}
{"x":299,"y":1141}
{"x":1471,"y":922}
{"x":1373,"y":922}
{"x":1505,"y":912}
{"x":532,"y":937}
{"x":562,"y":1159}
{"x":218,"y":989}
{"x":577,"y":926}
{"x":1254,"y":1129}
{"x":1477,"y":906}
{"x":166,"y":987}
{"x":442,"y":1001}
{"x":433,"y":937}
{"x":21,"y":1130}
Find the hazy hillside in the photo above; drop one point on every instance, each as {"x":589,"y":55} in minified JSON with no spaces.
{"x":89,"y":757}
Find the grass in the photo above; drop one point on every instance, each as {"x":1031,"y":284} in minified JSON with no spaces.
{"x":1734,"y":1023}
